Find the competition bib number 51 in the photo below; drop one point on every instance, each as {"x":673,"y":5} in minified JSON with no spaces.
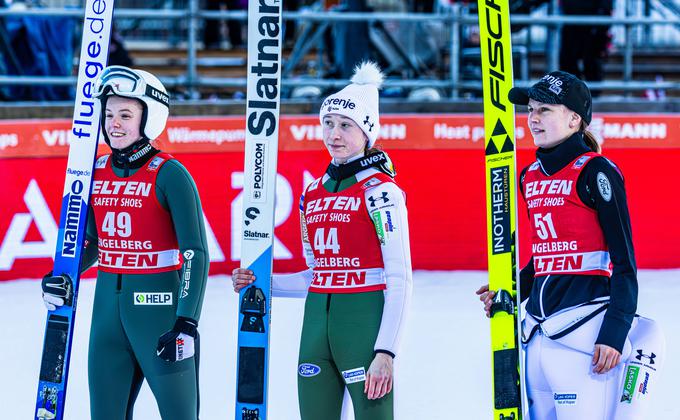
{"x":544,"y":225}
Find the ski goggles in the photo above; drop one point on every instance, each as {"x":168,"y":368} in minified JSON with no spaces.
{"x":122,"y":81}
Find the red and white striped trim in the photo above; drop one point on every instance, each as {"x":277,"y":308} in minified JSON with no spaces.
{"x":348,"y":281}
{"x":139,"y":262}
{"x":595,"y":262}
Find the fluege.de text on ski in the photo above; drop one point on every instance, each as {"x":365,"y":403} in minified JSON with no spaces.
{"x":83,"y":124}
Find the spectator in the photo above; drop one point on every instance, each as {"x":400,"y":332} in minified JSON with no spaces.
{"x":37,"y":46}
{"x":212,"y":36}
{"x":426,"y":6}
{"x":289,"y":25}
{"x":118,"y":54}
{"x":351,"y":43}
{"x":584,"y":47}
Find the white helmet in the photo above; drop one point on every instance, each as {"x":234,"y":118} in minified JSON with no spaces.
{"x":140,"y":85}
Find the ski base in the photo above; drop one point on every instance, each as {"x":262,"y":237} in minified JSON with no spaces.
{"x":53,"y":368}
{"x":253,"y":342}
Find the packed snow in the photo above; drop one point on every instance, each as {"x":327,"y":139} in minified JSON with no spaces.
{"x":443,"y":369}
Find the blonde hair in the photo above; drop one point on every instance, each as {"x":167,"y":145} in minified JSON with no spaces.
{"x":589,"y":138}
{"x":374,"y":149}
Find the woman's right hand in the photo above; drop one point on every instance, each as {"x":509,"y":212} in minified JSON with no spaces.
{"x":486,"y":296}
{"x":241,"y":277}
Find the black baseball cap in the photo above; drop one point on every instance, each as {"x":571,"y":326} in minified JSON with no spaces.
{"x":557,"y":87}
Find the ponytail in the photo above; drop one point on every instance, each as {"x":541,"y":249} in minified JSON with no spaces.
{"x":374,"y":149}
{"x":386,"y":167}
{"x":589,"y":138}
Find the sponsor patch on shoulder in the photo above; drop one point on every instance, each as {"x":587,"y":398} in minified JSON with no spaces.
{"x":534,"y":166}
{"x":372,"y":182}
{"x":379,"y":201}
{"x":314,"y":184}
{"x":308,"y":370}
{"x":565,"y":398}
{"x":101,"y":162}
{"x":354,"y":375}
{"x":604,"y":186}
{"x":155,"y":164}
{"x":581,"y":161}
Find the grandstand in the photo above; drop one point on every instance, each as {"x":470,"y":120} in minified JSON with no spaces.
{"x":435,"y":51}
{"x":431,"y":124}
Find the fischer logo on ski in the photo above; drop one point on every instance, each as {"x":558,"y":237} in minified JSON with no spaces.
{"x":499,"y":123}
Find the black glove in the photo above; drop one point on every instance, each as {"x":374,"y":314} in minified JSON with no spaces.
{"x":178,"y":343}
{"x":57,"y":291}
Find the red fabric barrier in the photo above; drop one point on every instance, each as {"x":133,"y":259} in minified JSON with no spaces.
{"x":445,"y":197}
{"x":49,"y":138}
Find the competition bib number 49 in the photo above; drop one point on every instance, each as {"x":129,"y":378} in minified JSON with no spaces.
{"x":117,"y":224}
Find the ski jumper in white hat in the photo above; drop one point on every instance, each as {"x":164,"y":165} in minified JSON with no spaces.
{"x":358,"y":284}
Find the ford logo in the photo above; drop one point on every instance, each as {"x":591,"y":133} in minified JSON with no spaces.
{"x":307,"y":370}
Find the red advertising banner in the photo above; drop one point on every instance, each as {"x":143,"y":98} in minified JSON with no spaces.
{"x":445,"y":198}
{"x":49,"y":138}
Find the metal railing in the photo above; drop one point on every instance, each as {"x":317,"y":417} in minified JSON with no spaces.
{"x":453,"y":82}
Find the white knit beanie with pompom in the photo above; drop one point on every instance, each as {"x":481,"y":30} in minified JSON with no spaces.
{"x":359,"y":100}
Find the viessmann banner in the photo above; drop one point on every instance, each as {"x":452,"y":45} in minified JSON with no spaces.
{"x":439,"y":162}
{"x":42,"y":138}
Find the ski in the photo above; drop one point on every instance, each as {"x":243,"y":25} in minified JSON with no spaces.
{"x":259,"y":190}
{"x":501,"y":205}
{"x":83,"y":139}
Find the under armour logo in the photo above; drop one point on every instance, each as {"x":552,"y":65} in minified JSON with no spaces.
{"x":650,"y":357}
{"x":383,"y":198}
{"x":368,"y":123}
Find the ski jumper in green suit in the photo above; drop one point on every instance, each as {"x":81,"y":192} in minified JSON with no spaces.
{"x":145,"y":230}
{"x":359,"y":281}
{"x":132,"y":310}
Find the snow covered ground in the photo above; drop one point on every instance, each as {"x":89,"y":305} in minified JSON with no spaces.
{"x":443,"y":371}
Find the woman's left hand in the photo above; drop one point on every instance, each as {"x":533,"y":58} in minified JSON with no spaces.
{"x":605,"y":358}
{"x":379,"y":377}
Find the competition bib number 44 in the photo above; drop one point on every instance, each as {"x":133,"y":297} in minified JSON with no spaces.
{"x":323,"y":242}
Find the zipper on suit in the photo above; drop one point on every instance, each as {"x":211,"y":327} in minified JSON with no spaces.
{"x":540,"y":300}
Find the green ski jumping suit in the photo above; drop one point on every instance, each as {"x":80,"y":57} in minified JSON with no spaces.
{"x":146,"y":227}
{"x":356,"y":240}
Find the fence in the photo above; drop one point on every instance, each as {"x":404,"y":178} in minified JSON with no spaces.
{"x":452,"y":80}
